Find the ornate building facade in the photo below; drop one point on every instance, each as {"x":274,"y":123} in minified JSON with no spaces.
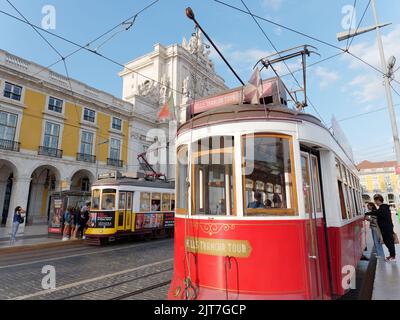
{"x":380,"y":178}
{"x":54,"y":139}
{"x":184,"y":71}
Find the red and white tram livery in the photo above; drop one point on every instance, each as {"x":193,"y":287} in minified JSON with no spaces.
{"x":268,"y":205}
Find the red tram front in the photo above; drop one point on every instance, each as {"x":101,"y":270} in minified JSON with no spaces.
{"x":268,"y":207}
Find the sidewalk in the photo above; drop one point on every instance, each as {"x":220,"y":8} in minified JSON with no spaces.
{"x":34,"y":237}
{"x":387,"y":275}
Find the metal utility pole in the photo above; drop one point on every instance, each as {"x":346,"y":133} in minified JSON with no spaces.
{"x":387,"y":71}
{"x":388,"y":90}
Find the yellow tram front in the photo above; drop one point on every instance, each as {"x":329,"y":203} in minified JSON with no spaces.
{"x":124,"y":207}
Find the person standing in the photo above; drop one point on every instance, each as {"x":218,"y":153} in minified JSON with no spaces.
{"x":372,"y":217}
{"x":84,"y":218}
{"x":19,"y":217}
{"x":385,"y":224}
{"x":67,"y":224}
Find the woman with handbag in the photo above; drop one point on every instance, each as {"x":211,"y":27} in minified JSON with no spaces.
{"x":19,"y":217}
{"x":385,"y":224}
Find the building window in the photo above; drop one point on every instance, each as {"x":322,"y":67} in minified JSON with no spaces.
{"x":85,"y":185}
{"x":116,"y":124}
{"x":8,"y":125}
{"x":268,"y":175}
{"x":51,"y":135}
{"x":115,"y":149}
{"x":87,"y":143}
{"x":89,"y":115}
{"x":12,"y":91}
{"x":55,"y":105}
{"x":213,"y":176}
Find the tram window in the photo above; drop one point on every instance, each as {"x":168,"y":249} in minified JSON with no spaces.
{"x":108,"y":199}
{"x":122,"y":201}
{"x":145,"y":201}
{"x":342,"y":200}
{"x":96,"y":199}
{"x":129,"y":200}
{"x":268,"y":175}
{"x":172,"y":202}
{"x":155,"y":201}
{"x":166,"y":202}
{"x":338,"y":172}
{"x":306,"y":185}
{"x":316,"y":184}
{"x":213,"y":176}
{"x":181,"y":180}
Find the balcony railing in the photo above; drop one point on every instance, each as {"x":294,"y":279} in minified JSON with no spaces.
{"x":85,"y":157}
{"x":115,"y":163}
{"x":50,"y":152}
{"x":9,"y":145}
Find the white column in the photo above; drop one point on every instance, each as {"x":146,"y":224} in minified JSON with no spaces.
{"x":3,"y":187}
{"x":19,"y":197}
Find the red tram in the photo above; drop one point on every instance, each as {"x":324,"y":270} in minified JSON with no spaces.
{"x":268,"y":204}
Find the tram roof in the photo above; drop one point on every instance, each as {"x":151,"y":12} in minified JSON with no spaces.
{"x":247,"y":112}
{"x":124,"y":181}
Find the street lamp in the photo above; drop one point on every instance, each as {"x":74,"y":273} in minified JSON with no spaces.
{"x":388,"y":73}
{"x":97,"y":156}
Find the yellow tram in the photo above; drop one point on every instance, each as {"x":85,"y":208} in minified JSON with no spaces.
{"x":123,"y":207}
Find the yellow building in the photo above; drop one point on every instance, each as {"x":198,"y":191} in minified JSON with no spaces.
{"x":379,"y":178}
{"x":52,"y":138}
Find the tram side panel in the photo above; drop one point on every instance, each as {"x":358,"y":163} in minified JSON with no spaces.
{"x":241,"y":259}
{"x":345,"y":251}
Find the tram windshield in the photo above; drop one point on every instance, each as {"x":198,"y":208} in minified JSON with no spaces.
{"x":108,"y":199}
{"x":268,"y":177}
{"x":213,"y":176}
{"x":96,"y":199}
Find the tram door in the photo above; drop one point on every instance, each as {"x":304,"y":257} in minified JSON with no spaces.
{"x":313,"y":208}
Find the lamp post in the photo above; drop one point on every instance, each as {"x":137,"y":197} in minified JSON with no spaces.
{"x":97,"y":156}
{"x":387,"y":70}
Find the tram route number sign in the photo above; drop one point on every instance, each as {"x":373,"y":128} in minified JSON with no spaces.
{"x":219,"y":247}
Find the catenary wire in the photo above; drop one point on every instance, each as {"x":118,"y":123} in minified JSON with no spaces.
{"x":102,"y":35}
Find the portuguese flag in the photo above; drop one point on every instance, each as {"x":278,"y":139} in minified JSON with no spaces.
{"x":168,"y":110}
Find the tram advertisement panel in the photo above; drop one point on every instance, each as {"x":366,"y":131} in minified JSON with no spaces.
{"x":169,"y":220}
{"x":149,"y":220}
{"x":56,"y":218}
{"x":102,"y":219}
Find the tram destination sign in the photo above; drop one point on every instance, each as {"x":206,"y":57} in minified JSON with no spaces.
{"x":219,"y":247}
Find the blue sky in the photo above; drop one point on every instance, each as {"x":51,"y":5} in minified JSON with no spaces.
{"x":342,"y":86}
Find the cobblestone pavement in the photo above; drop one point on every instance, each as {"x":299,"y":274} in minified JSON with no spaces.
{"x":140,"y":270}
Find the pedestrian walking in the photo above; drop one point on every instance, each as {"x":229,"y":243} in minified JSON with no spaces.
{"x":385,"y":224}
{"x":19,"y":217}
{"x":84,"y":218}
{"x":67,"y":223}
{"x":372,"y":217}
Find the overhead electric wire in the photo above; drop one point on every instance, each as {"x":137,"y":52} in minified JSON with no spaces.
{"x":277,"y":51}
{"x":61,"y":56}
{"x":395,"y":91}
{"x":103,"y":35}
{"x":359,"y":24}
{"x":89,"y":50}
{"x":351,"y":23}
{"x":302,"y":34}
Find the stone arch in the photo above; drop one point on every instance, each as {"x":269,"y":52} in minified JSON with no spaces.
{"x":8,"y":173}
{"x":45,"y":179}
{"x":81,"y":180}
